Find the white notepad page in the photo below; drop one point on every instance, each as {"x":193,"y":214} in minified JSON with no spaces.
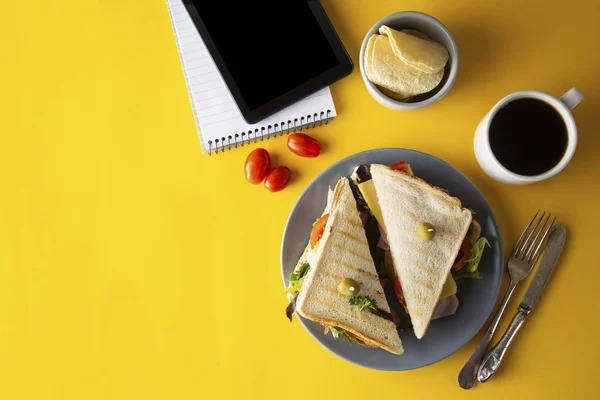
{"x":218,"y":120}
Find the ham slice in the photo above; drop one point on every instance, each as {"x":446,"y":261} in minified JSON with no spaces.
{"x":445,"y":307}
{"x":328,"y":206}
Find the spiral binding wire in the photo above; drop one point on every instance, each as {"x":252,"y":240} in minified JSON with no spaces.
{"x":253,"y":136}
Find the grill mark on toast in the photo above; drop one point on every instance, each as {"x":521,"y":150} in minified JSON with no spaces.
{"x":411,"y":215}
{"x":422,"y":283}
{"x":408,"y":213}
{"x":423,"y":268}
{"x":445,"y":196}
{"x":353,"y":222}
{"x":347,"y":250}
{"x":350,"y":236}
{"x":328,"y":289}
{"x":421,"y":252}
{"x":419,"y":298}
{"x":325,"y":303}
{"x":334,"y":276}
{"x":362,"y":271}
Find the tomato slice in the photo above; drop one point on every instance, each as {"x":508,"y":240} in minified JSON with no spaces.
{"x":318,"y":229}
{"x":402,"y":166}
{"x":463,"y":255}
{"x":399,"y":292}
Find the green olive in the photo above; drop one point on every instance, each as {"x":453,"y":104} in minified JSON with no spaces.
{"x":348,"y":287}
{"x":425,"y":231}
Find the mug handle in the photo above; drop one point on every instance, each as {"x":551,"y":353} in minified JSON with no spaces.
{"x":571,"y":98}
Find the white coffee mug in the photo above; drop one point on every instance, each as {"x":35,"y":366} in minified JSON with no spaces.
{"x":488,"y":161}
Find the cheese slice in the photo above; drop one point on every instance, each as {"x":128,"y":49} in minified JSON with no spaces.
{"x":367,"y":189}
{"x":449,"y":288}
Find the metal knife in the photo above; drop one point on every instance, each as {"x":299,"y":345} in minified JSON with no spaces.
{"x":556,"y":241}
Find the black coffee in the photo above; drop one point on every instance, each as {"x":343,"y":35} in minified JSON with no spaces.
{"x":528,"y":136}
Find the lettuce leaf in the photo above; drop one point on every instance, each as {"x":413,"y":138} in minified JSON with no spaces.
{"x":297,"y":278}
{"x":466,"y":274}
{"x":470,"y":270}
{"x":302,"y":270}
{"x":336,"y":332}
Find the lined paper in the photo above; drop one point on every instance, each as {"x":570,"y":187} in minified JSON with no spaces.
{"x":218,"y":119}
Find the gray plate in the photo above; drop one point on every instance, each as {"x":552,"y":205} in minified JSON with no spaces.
{"x":477,"y":297}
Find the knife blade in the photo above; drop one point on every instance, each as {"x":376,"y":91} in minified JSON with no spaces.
{"x":556,"y":241}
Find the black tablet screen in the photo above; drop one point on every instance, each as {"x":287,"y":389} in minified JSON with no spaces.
{"x":269,"y":47}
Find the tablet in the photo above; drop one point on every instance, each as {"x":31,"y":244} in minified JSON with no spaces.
{"x":270,"y":53}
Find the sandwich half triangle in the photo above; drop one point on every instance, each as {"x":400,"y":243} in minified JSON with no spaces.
{"x":422,"y":266}
{"x":343,"y":252}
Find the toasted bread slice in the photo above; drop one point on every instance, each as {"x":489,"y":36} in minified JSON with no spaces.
{"x":422,"y":266}
{"x":343,"y":252}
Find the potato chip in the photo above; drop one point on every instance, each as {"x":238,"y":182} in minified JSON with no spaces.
{"x":392,"y":94}
{"x":418,"y":34}
{"x":368,"y":61}
{"x":425,"y":55}
{"x":390,"y":72}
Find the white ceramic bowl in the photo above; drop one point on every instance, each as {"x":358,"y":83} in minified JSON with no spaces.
{"x":435,"y":30}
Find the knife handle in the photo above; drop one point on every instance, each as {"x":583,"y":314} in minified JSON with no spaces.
{"x":468,"y":374}
{"x":492,"y":361}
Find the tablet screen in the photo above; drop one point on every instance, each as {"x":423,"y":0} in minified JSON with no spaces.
{"x":269,"y":47}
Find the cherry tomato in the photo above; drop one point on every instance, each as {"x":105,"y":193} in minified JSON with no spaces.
{"x":257,"y":165}
{"x":463,"y":255}
{"x":399,"y":292}
{"x":303,"y":145}
{"x":401,"y":166}
{"x":278,"y":178}
{"x":318,"y":229}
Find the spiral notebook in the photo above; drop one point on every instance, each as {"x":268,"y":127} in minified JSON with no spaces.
{"x":218,"y":120}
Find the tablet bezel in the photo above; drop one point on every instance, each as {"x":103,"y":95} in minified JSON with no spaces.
{"x":344,"y":67}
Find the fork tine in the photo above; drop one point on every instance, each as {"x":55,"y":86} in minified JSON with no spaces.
{"x":539,"y":247}
{"x":520,"y":241}
{"x":534,"y":242}
{"x":521,"y":254}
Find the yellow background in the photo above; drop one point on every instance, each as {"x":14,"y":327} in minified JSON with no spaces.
{"x":134,"y":267}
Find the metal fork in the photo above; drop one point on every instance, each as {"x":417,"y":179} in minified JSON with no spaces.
{"x":520,"y":263}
